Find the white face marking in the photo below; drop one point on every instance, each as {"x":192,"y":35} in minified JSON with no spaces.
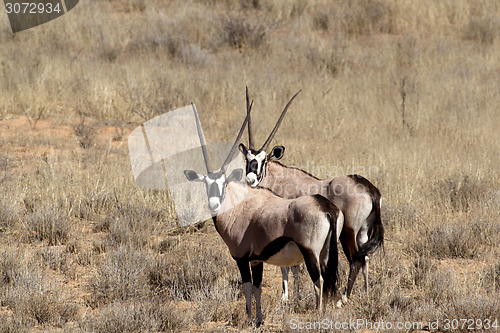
{"x":261,"y":156}
{"x":252,"y":179}
{"x":214,"y":201}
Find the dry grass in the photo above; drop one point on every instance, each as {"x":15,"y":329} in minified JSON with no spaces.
{"x":404,"y":93}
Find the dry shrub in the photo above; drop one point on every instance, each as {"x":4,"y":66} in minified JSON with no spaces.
{"x":362,"y":17}
{"x":94,"y":204}
{"x":240,"y":32}
{"x":49,"y":224}
{"x":401,"y":217}
{"x":441,"y":286}
{"x":150,"y":316}
{"x":459,"y":238}
{"x":55,"y":258}
{"x":86,"y":134}
{"x":491,"y":279}
{"x":326,"y":60}
{"x":321,"y":20}
{"x":252,"y":4}
{"x":483,"y":29}
{"x":193,"y":272}
{"x":462,"y":193}
{"x":30,"y":292}
{"x":130,"y":6}
{"x":133,"y":226}
{"x":402,"y":303}
{"x":176,"y":52}
{"x":12,"y":324}
{"x":9,"y":266}
{"x":84,"y":255}
{"x":121,"y":277}
{"x":479,"y":307}
{"x":8,"y":217}
{"x":421,"y":271}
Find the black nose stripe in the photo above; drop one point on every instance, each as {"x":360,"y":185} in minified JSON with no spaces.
{"x":253,"y":166}
{"x":213,"y":191}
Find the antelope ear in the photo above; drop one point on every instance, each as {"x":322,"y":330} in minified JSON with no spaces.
{"x":243,"y":149}
{"x":277,"y":153}
{"x":235,"y":175}
{"x":193,"y":176}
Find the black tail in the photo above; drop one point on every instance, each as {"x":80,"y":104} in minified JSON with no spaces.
{"x":331,"y":274}
{"x":375,"y":233}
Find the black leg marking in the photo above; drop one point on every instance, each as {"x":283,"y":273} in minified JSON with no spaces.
{"x":244,"y":267}
{"x":257,"y":269}
{"x":246,"y":277}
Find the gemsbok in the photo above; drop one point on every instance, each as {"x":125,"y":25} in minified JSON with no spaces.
{"x":358,"y":199}
{"x":266,"y":228}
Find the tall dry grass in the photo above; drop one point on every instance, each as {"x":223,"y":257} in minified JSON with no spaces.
{"x":404,"y":93}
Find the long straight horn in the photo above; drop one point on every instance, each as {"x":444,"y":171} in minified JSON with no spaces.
{"x":250,"y":134}
{"x":275,"y":129}
{"x":204,"y":149}
{"x":233,"y":148}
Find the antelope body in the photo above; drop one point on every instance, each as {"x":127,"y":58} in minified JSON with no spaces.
{"x":264,"y":227}
{"x":358,"y":199}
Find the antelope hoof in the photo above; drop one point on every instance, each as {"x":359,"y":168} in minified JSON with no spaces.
{"x":344,"y":298}
{"x":284,"y":298}
{"x":258,"y":322}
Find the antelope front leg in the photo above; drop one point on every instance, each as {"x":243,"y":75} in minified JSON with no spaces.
{"x":246,"y":277}
{"x":318,"y":289}
{"x":284,"y":275}
{"x":257,"y":269}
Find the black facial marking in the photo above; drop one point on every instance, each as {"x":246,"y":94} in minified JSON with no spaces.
{"x":253,"y":165}
{"x":213,"y":189}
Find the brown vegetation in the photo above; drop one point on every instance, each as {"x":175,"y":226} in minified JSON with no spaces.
{"x":405,"y":93}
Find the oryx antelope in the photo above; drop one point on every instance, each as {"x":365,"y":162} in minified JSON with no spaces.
{"x":358,"y":199}
{"x":266,"y":228}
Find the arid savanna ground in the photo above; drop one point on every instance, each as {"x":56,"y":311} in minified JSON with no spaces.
{"x":405,"y":93}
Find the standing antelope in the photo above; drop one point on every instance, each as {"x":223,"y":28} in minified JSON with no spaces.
{"x":266,"y":228}
{"x":357,"y":198}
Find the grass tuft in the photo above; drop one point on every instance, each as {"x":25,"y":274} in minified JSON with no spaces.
{"x":240,"y":32}
{"x":48,"y":224}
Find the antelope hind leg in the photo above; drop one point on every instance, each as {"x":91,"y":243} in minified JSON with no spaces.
{"x":296,"y":277}
{"x":353,"y":273}
{"x":313,"y":268}
{"x":284,"y":275}
{"x":365,"y":274}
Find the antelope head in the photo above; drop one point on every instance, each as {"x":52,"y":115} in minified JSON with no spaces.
{"x":215,"y":182}
{"x":256,"y":159}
